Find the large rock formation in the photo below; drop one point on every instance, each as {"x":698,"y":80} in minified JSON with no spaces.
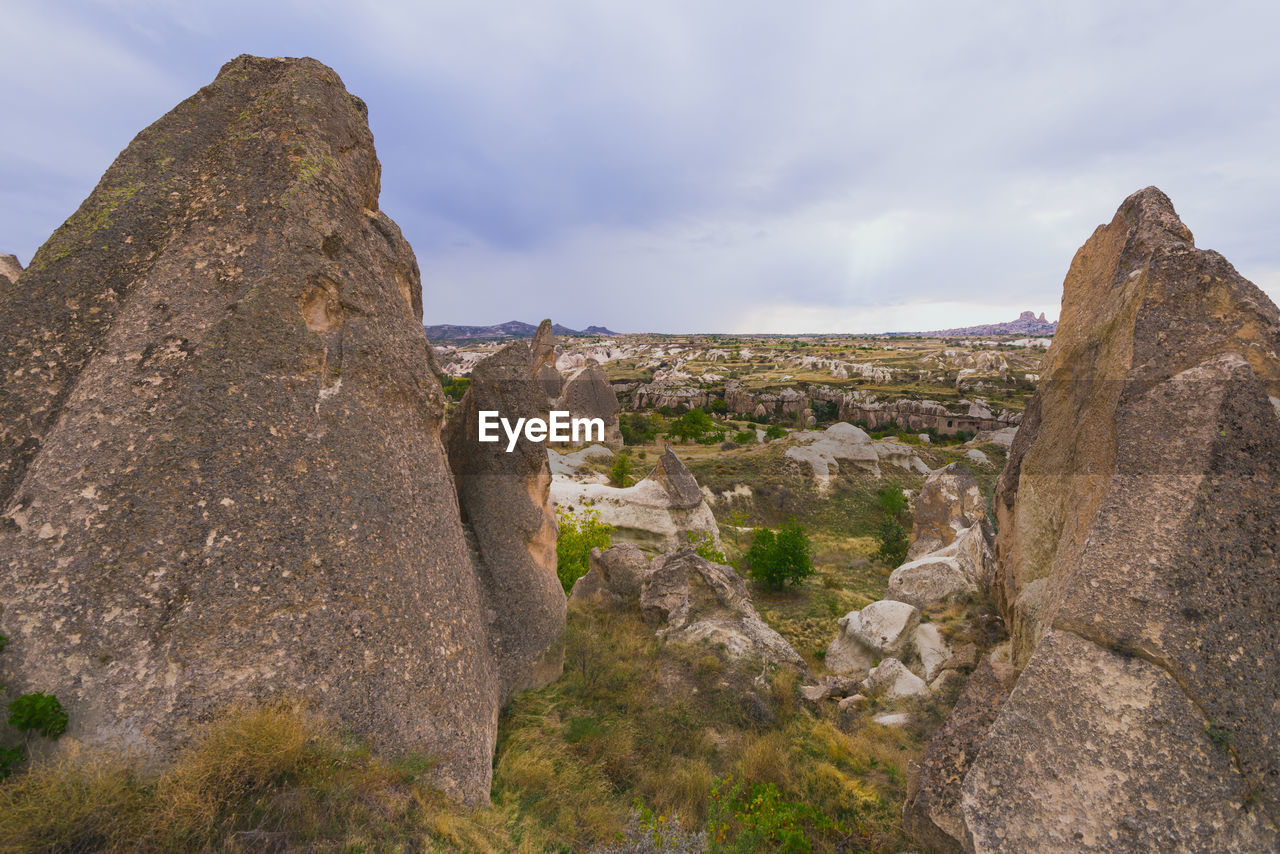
{"x":506,"y":502}
{"x":1139,"y":553}
{"x":686,"y":599}
{"x":586,"y":393}
{"x":658,"y":513}
{"x":220,"y":464}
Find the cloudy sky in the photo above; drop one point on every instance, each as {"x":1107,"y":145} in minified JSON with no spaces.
{"x":732,"y":166}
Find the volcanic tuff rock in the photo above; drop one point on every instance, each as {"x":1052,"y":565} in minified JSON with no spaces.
{"x":949,"y":502}
{"x":506,"y":502}
{"x":1139,"y":552}
{"x":586,"y":393}
{"x":10,"y":268}
{"x":220,"y":463}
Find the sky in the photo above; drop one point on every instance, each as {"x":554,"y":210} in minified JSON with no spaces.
{"x":712,"y":166}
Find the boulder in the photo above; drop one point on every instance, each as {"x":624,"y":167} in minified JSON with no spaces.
{"x":882,"y":629}
{"x":220,"y":461}
{"x":949,"y":501}
{"x":506,"y":503}
{"x":688,"y":599}
{"x":892,"y":680}
{"x":932,"y":649}
{"x":616,"y":573}
{"x":1139,"y":568}
{"x":965,"y":566}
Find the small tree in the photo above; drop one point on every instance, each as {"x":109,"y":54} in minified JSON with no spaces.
{"x":620,"y":471}
{"x":705,"y":545}
{"x":781,"y":557}
{"x":893,"y":542}
{"x":579,"y":534}
{"x":775,"y":431}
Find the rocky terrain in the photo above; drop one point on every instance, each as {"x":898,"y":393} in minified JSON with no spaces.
{"x":288,"y":601}
{"x":1026,"y":324}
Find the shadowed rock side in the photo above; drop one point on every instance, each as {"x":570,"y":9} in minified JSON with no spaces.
{"x":1138,"y":558}
{"x":587,"y":393}
{"x":219,"y":444}
{"x":505,"y":499}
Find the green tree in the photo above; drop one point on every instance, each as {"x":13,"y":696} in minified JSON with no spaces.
{"x":620,"y":471}
{"x":579,"y":533}
{"x":893,"y":542}
{"x":780,"y":558}
{"x":691,"y":425}
{"x":775,"y":431}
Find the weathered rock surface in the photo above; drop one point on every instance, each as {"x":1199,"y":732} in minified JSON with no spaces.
{"x":964,"y":566}
{"x":882,"y":629}
{"x":10,"y":267}
{"x":931,"y":813}
{"x":220,"y":465}
{"x":505,"y":498}
{"x":689,"y":599}
{"x":892,"y":680}
{"x":823,"y":451}
{"x":587,"y":393}
{"x":949,"y":502}
{"x":1139,"y":555}
{"x":658,"y":513}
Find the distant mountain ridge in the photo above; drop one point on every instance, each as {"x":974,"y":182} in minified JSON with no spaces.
{"x":1026,"y":324}
{"x":510,"y":329}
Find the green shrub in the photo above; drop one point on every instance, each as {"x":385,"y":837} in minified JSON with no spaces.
{"x":620,"y":471}
{"x":705,"y":546}
{"x":38,"y":712}
{"x":691,"y":425}
{"x":891,"y":500}
{"x":893,"y":542}
{"x":757,"y":817}
{"x":638,"y":428}
{"x":745,"y":437}
{"x":455,"y":387}
{"x":775,"y":431}
{"x":780,"y":558}
{"x":579,"y":533}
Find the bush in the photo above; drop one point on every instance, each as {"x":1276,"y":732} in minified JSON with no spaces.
{"x":38,"y":712}
{"x":705,"y":546}
{"x":891,"y":500}
{"x":745,"y":437}
{"x":579,"y":534}
{"x":780,"y":558}
{"x":758,"y":817}
{"x":893,"y":542}
{"x":455,"y":387}
{"x":620,"y":471}
{"x":638,"y":428}
{"x":691,"y":425}
{"x":775,"y":431}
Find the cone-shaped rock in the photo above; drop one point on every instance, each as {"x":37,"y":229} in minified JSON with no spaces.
{"x":1139,"y":552}
{"x":220,"y":460}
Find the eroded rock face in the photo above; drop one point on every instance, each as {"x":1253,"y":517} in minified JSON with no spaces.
{"x":1139,"y":557}
{"x":587,"y":393}
{"x":949,"y":502}
{"x":505,"y":499}
{"x":220,"y":464}
{"x":10,"y":267}
{"x":689,"y":599}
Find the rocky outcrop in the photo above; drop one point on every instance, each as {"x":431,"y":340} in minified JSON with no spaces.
{"x":220,"y":464}
{"x":949,"y":502}
{"x":823,"y":451}
{"x":542,"y":362}
{"x":932,"y":813}
{"x":10,"y":267}
{"x":586,"y":393}
{"x":1139,"y":520}
{"x":687,"y":599}
{"x":506,"y":502}
{"x":658,"y":513}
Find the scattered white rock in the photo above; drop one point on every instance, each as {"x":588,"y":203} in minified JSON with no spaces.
{"x":973,"y":455}
{"x":932,"y":649}
{"x":892,"y":680}
{"x":892,"y":719}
